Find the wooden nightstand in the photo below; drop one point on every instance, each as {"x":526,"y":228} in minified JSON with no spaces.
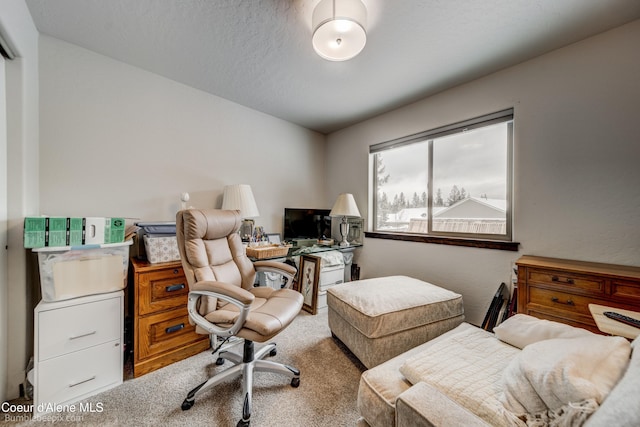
{"x":161,"y":331}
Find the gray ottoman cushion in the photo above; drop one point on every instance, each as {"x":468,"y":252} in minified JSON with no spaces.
{"x":380,"y":318}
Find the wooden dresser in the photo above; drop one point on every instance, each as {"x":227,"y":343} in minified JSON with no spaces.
{"x":161,"y":331}
{"x":561,"y":290}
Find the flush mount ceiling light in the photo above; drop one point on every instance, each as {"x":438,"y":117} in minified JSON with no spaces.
{"x":339,"y":29}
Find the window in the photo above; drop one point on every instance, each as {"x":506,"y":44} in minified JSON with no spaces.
{"x":454,"y":181}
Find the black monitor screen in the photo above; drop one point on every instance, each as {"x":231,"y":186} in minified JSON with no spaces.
{"x":306,"y":223}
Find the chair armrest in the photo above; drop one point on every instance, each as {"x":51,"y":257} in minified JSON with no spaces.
{"x":234,"y":292}
{"x":235,"y":295}
{"x":424,"y":406}
{"x":286,"y":270}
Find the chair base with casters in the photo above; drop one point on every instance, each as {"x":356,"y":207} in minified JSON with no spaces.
{"x":224,"y":303}
{"x":245,"y":365}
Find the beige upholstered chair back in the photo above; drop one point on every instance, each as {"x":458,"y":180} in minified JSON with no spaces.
{"x":211,"y":248}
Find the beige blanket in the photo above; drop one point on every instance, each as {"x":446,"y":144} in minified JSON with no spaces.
{"x":565,"y":378}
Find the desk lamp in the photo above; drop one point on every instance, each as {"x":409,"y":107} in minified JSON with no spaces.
{"x":344,"y":207}
{"x":240,"y":197}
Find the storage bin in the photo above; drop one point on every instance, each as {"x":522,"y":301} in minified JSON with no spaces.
{"x":161,"y":249}
{"x":67,"y":273}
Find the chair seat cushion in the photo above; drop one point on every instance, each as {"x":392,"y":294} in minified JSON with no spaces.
{"x":271,"y":311}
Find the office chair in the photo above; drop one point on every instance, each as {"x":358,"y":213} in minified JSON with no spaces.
{"x":224,"y":302}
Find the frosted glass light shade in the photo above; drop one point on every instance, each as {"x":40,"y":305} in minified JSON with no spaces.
{"x":240,"y":196}
{"x":339,"y":29}
{"x":345,"y":205}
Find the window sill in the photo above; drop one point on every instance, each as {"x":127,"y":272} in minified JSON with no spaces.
{"x":452,"y":241}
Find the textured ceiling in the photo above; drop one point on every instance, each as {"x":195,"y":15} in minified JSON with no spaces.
{"x":258,"y":53}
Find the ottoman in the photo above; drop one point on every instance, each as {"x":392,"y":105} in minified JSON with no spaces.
{"x":378,"y":319}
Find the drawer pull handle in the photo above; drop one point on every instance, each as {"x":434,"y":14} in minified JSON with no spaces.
{"x":557,"y":279}
{"x":175,"y":328}
{"x":569,"y":302}
{"x":75,"y":337}
{"x":174,"y":288}
{"x":82,"y":382}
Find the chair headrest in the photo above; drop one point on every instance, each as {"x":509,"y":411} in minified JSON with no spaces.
{"x":210,"y":224}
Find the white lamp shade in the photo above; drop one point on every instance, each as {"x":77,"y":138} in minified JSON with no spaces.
{"x":345,"y":206}
{"x":339,"y":29}
{"x":240,"y":196}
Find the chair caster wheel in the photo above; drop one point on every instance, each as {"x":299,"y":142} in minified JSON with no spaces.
{"x":219,"y":361}
{"x":186,"y":405}
{"x":295,"y":382}
{"x":243,"y":423}
{"x":273,"y":352}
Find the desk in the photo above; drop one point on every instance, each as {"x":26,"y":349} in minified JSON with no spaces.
{"x":297,"y":251}
{"x":310,"y":250}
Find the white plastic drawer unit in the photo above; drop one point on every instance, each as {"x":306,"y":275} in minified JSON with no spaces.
{"x":62,"y":379}
{"x":330,"y":276}
{"x":78,"y":349}
{"x":77,"y":327}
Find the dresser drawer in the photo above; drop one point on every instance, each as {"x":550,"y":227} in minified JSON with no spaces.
{"x":568,"y":281}
{"x":68,"y":377}
{"x":162,"y":289}
{"x":76,"y":327}
{"x":626,"y":291}
{"x":165,"y":331}
{"x":558,"y":300}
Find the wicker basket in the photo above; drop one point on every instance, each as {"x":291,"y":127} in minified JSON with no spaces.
{"x":270,"y":251}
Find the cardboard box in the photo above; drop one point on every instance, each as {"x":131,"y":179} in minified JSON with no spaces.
{"x":76,"y":231}
{"x":35,"y":229}
{"x":114,"y":230}
{"x":40,"y":232}
{"x":56,"y":231}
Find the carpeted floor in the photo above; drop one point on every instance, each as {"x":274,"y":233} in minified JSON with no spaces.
{"x":326,"y":396}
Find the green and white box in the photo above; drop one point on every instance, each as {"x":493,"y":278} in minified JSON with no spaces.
{"x":35,"y":230}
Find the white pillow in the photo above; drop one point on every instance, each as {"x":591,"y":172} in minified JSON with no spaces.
{"x":521,"y":330}
{"x":552,"y":373}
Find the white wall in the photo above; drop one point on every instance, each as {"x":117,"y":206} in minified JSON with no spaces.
{"x":21,"y":157}
{"x":577,"y":180}
{"x":120,"y":141}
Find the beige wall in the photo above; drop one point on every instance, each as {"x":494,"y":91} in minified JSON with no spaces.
{"x":576,"y":152}
{"x":120,"y":141}
{"x":21,"y":157}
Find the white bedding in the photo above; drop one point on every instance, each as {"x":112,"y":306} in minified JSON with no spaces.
{"x":467,"y":367}
{"x":557,"y":381}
